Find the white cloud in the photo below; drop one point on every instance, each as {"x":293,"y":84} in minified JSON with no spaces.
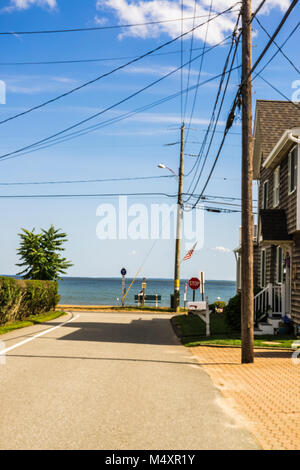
{"x":222,"y":249}
{"x":25,"y":4}
{"x":142,"y":11}
{"x":35,"y":84}
{"x":162,"y":70}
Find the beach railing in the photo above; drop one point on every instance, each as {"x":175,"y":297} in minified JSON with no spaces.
{"x":156,"y":298}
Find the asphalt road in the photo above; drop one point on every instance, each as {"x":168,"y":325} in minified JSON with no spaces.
{"x":110,"y":381}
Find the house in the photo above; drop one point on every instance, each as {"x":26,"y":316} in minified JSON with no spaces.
{"x":277,"y":242}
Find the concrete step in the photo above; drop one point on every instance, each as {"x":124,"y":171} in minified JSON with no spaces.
{"x":266,"y":328}
{"x":274,"y":322}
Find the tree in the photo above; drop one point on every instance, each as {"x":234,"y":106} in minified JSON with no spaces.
{"x":40,"y":254}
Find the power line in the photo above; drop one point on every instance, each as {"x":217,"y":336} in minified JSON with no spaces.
{"x":197,"y":163}
{"x":237,"y":98}
{"x":63,"y":95}
{"x":44,"y":140}
{"x":207,"y":198}
{"x":111,"y":195}
{"x":198,"y":78}
{"x":103,"y":180}
{"x":213,"y":118}
{"x":191,"y":51}
{"x":101,"y":28}
{"x":279,"y":47}
{"x":30,"y":196}
{"x":103,"y":59}
{"x":278,"y":91}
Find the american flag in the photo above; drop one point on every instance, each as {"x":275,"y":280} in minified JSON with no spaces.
{"x":189,"y":253}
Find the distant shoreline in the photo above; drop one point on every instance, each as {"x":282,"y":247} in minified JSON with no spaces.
{"x":127,"y":277}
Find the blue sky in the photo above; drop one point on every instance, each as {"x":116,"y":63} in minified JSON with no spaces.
{"x":131,"y":147}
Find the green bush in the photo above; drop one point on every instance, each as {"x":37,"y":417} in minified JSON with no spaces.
{"x":19,"y":298}
{"x":216,"y":305}
{"x":233,"y":313}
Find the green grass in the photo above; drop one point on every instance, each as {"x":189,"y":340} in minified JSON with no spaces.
{"x":191,"y":330}
{"x":30,"y":321}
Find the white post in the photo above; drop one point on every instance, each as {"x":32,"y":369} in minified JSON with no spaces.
{"x":270,"y":298}
{"x":283,"y":306}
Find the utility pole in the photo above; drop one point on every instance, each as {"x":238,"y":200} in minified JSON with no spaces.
{"x":247,"y":176}
{"x":179,"y":224}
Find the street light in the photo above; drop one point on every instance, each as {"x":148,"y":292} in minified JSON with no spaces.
{"x":179,"y":176}
{"x":161,"y":165}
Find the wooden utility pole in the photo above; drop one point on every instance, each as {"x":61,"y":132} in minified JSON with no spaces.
{"x":179,"y":225}
{"x":247,"y":176}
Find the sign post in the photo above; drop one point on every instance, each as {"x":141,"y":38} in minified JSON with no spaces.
{"x":202,"y":283}
{"x":123,"y":272}
{"x":194,"y":284}
{"x":184,"y":296}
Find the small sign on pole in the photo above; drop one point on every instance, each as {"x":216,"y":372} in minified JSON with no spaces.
{"x":194,"y":284}
{"x":123,"y":272}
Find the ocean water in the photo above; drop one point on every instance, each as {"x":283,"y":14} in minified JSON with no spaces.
{"x":107,"y":291}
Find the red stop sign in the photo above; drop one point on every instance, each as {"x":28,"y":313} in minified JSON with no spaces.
{"x":194,"y":283}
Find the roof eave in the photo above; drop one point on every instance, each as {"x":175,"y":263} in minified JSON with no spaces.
{"x":256,"y":148}
{"x":276,"y":153}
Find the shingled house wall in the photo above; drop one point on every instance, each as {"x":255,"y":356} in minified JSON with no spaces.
{"x":273,"y":118}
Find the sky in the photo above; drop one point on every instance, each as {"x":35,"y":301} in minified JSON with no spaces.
{"x":131,"y":147}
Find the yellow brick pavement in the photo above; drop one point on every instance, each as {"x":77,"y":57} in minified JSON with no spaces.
{"x":266,"y":393}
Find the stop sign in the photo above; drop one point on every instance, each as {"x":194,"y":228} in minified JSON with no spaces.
{"x":194,"y":283}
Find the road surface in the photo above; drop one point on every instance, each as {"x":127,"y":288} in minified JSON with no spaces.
{"x":110,"y":381}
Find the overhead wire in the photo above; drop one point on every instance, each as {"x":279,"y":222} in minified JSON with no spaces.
{"x":120,"y":67}
{"x":97,"y":28}
{"x":198,"y":79}
{"x":280,"y":47}
{"x":190,"y":56}
{"x":57,"y":134}
{"x":215,"y":118}
{"x":231,"y":115}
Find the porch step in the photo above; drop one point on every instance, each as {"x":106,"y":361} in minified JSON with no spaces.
{"x":274,"y":321}
{"x":276,"y":316}
{"x":266,"y":328}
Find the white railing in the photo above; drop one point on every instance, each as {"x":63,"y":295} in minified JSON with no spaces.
{"x":269,"y":301}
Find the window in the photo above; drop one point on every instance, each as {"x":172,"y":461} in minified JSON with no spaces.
{"x":263,"y":268}
{"x":276,"y":186}
{"x":279,"y":265}
{"x":292,"y":172}
{"x":265,"y":195}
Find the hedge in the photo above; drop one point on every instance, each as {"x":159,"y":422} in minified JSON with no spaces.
{"x":233,"y":312}
{"x":21,"y":298}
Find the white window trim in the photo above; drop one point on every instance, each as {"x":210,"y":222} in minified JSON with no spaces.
{"x":275,"y":188}
{"x":265,"y":184}
{"x":263,"y":275}
{"x":295,"y":170}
